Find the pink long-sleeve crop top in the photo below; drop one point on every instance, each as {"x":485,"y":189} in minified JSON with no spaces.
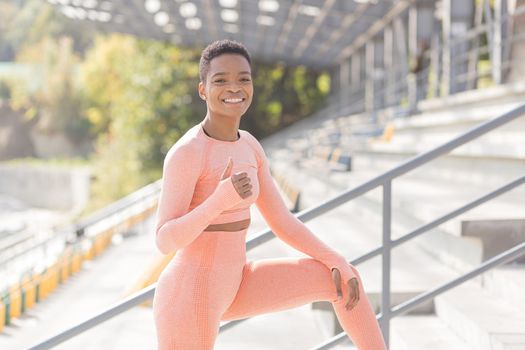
{"x":193,"y":196}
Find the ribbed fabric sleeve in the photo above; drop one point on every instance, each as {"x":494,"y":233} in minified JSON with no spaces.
{"x":289,"y":228}
{"x":176,"y":227}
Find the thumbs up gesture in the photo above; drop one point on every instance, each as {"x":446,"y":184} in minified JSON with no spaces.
{"x":240,"y":181}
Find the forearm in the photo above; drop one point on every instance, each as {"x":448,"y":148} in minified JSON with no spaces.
{"x":179,"y":232}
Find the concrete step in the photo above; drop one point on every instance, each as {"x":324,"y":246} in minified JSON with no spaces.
{"x":459,"y":253}
{"x":466,"y":240}
{"x":319,"y":185}
{"x":426,"y":200}
{"x":507,"y":282}
{"x":497,"y":236}
{"x":423,"y":332}
{"x":291,"y":329}
{"x":484,"y":321}
{"x":424,"y":131}
{"x":416,"y":136}
{"x":480,"y":171}
{"x":462,"y":245}
{"x":458,"y":178}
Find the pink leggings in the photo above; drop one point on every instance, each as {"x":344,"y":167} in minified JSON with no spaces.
{"x":210,"y":281}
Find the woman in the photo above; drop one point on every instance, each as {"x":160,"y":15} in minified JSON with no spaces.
{"x":211,"y":176}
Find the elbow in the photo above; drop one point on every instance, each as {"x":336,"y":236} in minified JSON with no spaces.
{"x":161,"y":243}
{"x":160,"y":246}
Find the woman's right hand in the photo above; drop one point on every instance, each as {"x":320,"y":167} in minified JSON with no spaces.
{"x":240,"y":181}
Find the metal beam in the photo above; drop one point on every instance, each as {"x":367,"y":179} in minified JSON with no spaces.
{"x":212,"y":28}
{"x":348,"y":22}
{"x":388,"y":64}
{"x":147,"y":21}
{"x":375,"y":28}
{"x":287,"y":26}
{"x":284,"y":41}
{"x":314,"y":28}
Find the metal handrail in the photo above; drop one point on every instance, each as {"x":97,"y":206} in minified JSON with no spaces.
{"x":502,"y":258}
{"x":114,"y":208}
{"x":90,"y":322}
{"x":35,"y":254}
{"x":384,"y":180}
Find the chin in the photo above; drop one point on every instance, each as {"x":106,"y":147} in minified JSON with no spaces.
{"x":230,"y":113}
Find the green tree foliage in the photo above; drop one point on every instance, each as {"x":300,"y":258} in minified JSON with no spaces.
{"x":45,"y":89}
{"x":140,"y":98}
{"x":5,"y":91}
{"x":282,"y":96}
{"x":52,"y":95}
{"x":28,"y":22}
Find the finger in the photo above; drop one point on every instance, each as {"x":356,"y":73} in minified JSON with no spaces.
{"x":239,"y":176}
{"x":247,"y":186}
{"x":351,"y":304}
{"x":356,"y":300}
{"x":353,"y":298}
{"x":244,"y":181}
{"x":336,"y":276}
{"x":349,"y":301}
{"x":355,"y":288}
{"x":355,"y":294}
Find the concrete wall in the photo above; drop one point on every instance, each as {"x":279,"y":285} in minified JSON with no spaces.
{"x":45,"y":186}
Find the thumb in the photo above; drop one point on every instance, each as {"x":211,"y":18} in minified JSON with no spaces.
{"x":228,"y":170}
{"x":336,"y":276}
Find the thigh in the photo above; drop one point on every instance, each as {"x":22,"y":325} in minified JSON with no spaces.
{"x":270,"y":285}
{"x":188,"y":303}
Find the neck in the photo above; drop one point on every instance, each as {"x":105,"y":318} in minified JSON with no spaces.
{"x":224,"y":129}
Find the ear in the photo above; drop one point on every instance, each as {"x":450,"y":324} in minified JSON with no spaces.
{"x":202,"y":90}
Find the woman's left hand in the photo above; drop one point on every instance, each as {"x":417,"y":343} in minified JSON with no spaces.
{"x":353,"y":289}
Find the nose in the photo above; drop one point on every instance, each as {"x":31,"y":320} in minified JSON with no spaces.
{"x":233,"y":86}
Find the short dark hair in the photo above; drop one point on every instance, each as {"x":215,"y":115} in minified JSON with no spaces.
{"x":218,"y":48}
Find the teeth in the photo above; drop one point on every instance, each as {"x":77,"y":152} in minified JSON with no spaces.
{"x":233,"y":100}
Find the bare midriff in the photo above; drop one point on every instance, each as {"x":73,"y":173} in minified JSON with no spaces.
{"x":229,"y":226}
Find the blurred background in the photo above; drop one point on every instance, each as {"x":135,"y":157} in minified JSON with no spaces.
{"x":93,"y":93}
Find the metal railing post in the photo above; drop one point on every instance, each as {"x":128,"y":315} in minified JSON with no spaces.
{"x":386,"y":259}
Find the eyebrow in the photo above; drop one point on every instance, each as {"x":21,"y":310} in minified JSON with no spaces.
{"x":225,"y":73}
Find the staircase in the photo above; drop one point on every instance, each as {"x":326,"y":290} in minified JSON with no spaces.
{"x":484,"y":313}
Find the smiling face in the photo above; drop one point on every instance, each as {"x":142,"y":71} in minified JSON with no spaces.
{"x":228,"y":89}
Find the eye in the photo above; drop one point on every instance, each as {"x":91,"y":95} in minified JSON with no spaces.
{"x":246,"y":79}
